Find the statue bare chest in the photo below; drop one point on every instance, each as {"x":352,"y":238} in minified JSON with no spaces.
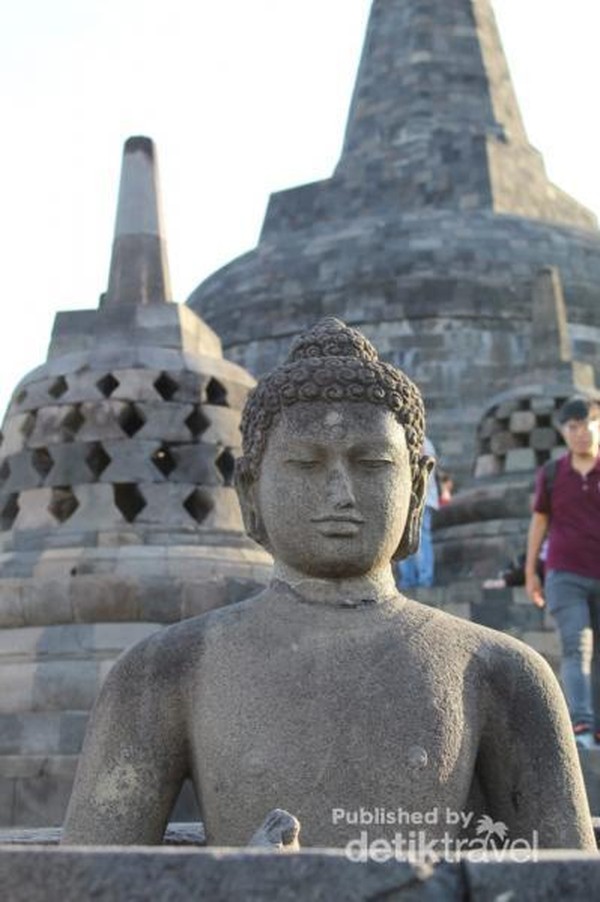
{"x":323,"y":720}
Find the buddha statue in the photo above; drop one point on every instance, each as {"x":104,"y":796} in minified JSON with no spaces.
{"x":329,"y":694}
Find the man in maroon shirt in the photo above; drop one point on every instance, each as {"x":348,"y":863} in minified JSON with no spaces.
{"x":568,"y":512}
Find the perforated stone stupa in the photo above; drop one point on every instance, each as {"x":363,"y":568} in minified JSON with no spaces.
{"x":486,"y":524}
{"x":116,"y":501}
{"x":430,"y":233}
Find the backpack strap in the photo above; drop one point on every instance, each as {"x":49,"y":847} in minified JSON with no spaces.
{"x":550,"y":469}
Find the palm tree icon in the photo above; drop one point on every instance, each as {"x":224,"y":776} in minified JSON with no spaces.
{"x":491,"y":828}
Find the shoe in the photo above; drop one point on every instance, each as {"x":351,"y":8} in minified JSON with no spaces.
{"x":584,"y":738}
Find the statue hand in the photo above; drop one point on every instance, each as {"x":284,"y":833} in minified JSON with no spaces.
{"x":279,"y":832}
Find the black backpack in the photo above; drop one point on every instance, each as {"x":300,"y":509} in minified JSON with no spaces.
{"x":550,"y":468}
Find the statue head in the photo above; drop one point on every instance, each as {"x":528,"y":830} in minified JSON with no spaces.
{"x":331,"y":423}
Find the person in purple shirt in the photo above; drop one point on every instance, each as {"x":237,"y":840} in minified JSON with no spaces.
{"x":568,"y":513}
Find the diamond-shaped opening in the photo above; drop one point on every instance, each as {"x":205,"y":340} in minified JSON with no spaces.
{"x":58,"y":387}
{"x":225,"y":463}
{"x":166,"y":386}
{"x":197,"y":422}
{"x":63,"y":503}
{"x":216,"y":393}
{"x":28,"y":425}
{"x":107,"y":384}
{"x":129,"y":500}
{"x":22,"y":395}
{"x":72,"y":423}
{"x":97,"y":459}
{"x":199,"y":505}
{"x":131,"y":420}
{"x":163,"y":460}
{"x":9,"y":511}
{"x":4,"y":471}
{"x":42,"y":461}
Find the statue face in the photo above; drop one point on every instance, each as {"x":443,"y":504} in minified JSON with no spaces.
{"x":334,"y":488}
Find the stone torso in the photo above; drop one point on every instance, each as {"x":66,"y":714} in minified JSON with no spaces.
{"x":317,"y":709}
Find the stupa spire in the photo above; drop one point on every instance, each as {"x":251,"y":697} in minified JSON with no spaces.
{"x":139,"y":272}
{"x":428,"y":63}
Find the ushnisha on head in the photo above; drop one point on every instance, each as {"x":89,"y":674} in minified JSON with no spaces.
{"x":333,"y":364}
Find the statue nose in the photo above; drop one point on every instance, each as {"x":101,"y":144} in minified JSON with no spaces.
{"x":339,"y":488}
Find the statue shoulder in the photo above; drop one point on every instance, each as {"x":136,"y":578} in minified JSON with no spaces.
{"x":499,"y":658}
{"x":168,"y":656}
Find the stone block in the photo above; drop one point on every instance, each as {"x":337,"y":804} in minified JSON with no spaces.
{"x":545,"y":642}
{"x":502,"y":442}
{"x":492,"y":613}
{"x":17,"y":681}
{"x":226,"y":512}
{"x":68,"y":875}
{"x":522,"y":421}
{"x":72,"y":731}
{"x":130,"y":461}
{"x":102,"y":421}
{"x":55,"y":424}
{"x":65,"y":685}
{"x":23,"y":474}
{"x":113,"y":638}
{"x":42,"y":798}
{"x":196,"y":464}
{"x":47,"y":601}
{"x":520,"y":459}
{"x":554,"y":876}
{"x":34,"y":510}
{"x":30,"y":733}
{"x":590,"y":765}
{"x":543,"y":406}
{"x":544,"y":438}
{"x":14,"y":431}
{"x":224,"y":426}
{"x":96,"y":505}
{"x":7,"y":802}
{"x":96,"y":599}
{"x":487,"y":465}
{"x":11,"y":603}
{"x":69,"y":466}
{"x":165,"y":422}
{"x":20,"y":643}
{"x":135,"y":384}
{"x":160,"y":599}
{"x":506,"y":408}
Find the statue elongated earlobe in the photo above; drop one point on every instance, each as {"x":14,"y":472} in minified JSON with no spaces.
{"x":245,"y":486}
{"x":409,"y":542}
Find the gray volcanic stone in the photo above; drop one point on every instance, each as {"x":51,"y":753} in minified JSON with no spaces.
{"x":292,"y":698}
{"x":33,"y":874}
{"x":116,"y":497}
{"x":430,"y":233}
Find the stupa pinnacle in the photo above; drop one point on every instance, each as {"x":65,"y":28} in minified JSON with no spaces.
{"x":117,"y":509}
{"x":431,"y":232}
{"x":434,"y":91}
{"x":139,"y":272}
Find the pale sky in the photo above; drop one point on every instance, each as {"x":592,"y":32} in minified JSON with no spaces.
{"x":243,"y":97}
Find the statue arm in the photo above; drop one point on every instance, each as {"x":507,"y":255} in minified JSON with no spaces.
{"x":134,"y":759}
{"x":528,"y":764}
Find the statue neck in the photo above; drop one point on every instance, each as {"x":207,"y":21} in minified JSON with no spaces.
{"x":371,"y":588}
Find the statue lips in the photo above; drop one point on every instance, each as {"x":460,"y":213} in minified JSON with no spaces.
{"x":338,"y":525}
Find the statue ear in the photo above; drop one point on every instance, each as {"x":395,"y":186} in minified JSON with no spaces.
{"x":409,"y":542}
{"x":245,"y":486}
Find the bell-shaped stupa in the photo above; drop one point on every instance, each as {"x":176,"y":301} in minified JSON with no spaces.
{"x":117,"y":508}
{"x":431,"y":231}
